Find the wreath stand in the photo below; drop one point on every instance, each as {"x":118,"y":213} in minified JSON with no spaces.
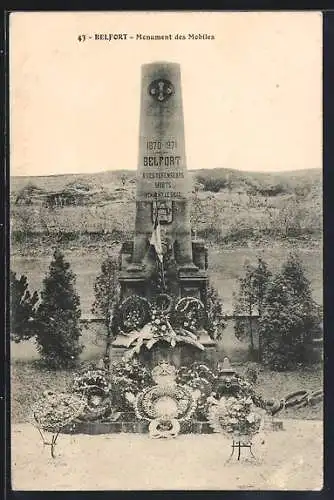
{"x":239,"y":445}
{"x":53,"y":441}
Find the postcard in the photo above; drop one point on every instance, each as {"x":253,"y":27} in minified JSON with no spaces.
{"x":166,"y":251}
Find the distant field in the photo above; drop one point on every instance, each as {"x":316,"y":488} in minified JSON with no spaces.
{"x":225,"y":266}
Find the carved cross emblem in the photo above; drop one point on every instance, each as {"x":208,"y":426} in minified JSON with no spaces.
{"x":161,"y":89}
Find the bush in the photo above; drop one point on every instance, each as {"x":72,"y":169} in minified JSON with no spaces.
{"x":58,"y":316}
{"x":290,"y":320}
{"x":107,"y":295}
{"x":215,"y":323}
{"x":249,"y":301}
{"x":22,"y":309}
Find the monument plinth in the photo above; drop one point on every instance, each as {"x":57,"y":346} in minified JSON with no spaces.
{"x":163,"y":184}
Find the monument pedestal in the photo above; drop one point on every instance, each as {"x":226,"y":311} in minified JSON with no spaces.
{"x":180,"y":355}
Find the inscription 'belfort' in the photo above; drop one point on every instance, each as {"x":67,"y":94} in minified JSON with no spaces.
{"x":162,"y":161}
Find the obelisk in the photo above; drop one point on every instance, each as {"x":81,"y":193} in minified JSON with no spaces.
{"x":163,"y":191}
{"x":162,"y":177}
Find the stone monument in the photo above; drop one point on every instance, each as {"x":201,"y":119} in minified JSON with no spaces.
{"x":163,"y":192}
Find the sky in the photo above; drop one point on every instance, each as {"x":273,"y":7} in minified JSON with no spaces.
{"x":252,"y":97}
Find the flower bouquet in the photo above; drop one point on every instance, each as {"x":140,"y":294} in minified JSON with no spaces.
{"x":159,"y":329}
{"x":235,"y":417}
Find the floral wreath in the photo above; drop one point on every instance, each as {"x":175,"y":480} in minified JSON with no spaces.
{"x":163,"y":303}
{"x":162,"y":327}
{"x":146,"y":400}
{"x":134,"y":313}
{"x":198,"y":377}
{"x":55,"y":410}
{"x":190,"y":313}
{"x":128,"y":377}
{"x":95,"y":385}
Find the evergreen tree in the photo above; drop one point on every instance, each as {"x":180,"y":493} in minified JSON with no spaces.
{"x":290,"y":317}
{"x":299,"y":287}
{"x":22,"y":309}
{"x":250,"y":300}
{"x":107,"y":297}
{"x":215,"y":323}
{"x":58,"y":316}
{"x":294,"y":274}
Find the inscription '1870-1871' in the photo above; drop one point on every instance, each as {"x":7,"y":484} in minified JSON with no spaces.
{"x":158,"y":145}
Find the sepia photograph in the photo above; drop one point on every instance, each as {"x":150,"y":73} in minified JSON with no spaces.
{"x":166,"y":251}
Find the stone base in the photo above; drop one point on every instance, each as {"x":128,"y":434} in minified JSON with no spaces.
{"x":180,"y":355}
{"x":139,"y":427}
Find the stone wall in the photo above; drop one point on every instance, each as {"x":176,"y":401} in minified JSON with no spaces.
{"x":94,"y":334}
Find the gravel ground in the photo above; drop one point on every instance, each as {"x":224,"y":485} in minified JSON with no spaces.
{"x":287,"y":460}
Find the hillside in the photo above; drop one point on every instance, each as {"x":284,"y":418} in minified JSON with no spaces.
{"x":113,"y":178}
{"x":228,"y":206}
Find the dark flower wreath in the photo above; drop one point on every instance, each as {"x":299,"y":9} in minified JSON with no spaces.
{"x":134,"y":313}
{"x":128,"y":377}
{"x":198,"y":377}
{"x":163,"y":303}
{"x":95,"y":385}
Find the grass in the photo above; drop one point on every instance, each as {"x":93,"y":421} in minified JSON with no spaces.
{"x":28,"y":381}
{"x":277,"y":385}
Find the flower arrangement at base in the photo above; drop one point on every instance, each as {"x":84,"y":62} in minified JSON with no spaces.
{"x":235,"y":417}
{"x":214,"y":384}
{"x":160,"y":329}
{"x":94,"y":384}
